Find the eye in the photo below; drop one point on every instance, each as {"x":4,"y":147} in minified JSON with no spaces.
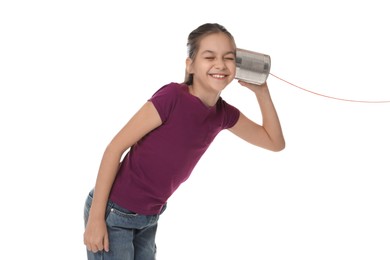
{"x":209,"y":58}
{"x":230,"y":57}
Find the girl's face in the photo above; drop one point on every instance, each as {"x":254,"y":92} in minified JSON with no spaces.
{"x":214,"y":66}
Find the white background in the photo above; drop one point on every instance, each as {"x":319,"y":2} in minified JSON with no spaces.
{"x":73,"y":72}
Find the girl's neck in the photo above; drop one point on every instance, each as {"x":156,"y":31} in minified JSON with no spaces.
{"x":209,"y":98}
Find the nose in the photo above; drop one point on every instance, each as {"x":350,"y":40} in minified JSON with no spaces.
{"x":220,"y":64}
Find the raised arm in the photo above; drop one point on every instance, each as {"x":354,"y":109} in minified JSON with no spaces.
{"x":269,"y":135}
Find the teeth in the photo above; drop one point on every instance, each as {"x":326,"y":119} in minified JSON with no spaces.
{"x":218,"y":76}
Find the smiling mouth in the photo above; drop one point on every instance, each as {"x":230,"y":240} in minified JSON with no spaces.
{"x":218,"y":76}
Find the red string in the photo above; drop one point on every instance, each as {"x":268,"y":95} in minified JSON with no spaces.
{"x":342,"y":99}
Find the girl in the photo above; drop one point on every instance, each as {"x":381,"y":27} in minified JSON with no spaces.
{"x":167,"y":137}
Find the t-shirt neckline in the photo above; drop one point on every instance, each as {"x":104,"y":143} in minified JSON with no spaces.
{"x":200,"y":101}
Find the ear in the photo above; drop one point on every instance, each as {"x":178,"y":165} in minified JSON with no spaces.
{"x":189,"y":65}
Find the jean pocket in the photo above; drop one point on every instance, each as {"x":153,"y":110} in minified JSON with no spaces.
{"x":117,"y":210}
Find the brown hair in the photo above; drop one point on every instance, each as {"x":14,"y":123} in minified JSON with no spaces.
{"x":194,"y":39}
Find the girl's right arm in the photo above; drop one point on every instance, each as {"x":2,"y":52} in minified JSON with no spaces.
{"x":144,"y":121}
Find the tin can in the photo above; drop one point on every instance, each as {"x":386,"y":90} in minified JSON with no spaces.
{"x":252,"y":67}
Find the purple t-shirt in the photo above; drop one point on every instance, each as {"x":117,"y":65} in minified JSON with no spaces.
{"x":163,"y":159}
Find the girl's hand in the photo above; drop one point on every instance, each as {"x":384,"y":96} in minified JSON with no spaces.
{"x":255,"y":88}
{"x":96,"y":236}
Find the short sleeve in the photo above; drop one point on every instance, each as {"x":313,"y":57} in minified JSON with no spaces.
{"x":231,"y":115}
{"x":164,"y":100}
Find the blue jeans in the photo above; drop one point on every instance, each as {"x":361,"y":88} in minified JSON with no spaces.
{"x":131,"y":236}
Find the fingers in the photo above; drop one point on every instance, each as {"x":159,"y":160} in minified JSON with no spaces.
{"x":97,"y":246}
{"x":94,"y":247}
{"x":106,"y":243}
{"x":251,"y":85}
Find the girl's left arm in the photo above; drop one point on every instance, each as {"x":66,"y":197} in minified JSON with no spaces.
{"x":269,"y":135}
